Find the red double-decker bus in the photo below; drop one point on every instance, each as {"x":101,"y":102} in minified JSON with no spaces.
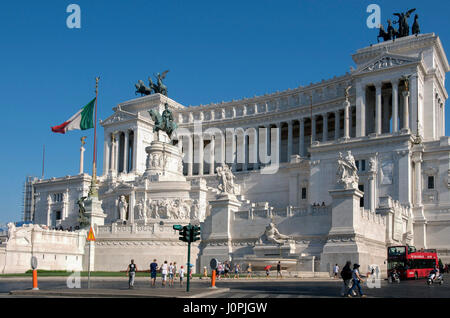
{"x":411,"y":263}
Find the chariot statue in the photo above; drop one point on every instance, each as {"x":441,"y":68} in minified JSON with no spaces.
{"x":156,"y":88}
{"x":403,"y":26}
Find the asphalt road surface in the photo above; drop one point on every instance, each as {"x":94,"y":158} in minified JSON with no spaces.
{"x":255,"y":288}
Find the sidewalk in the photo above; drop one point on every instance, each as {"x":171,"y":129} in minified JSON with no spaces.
{"x":122,"y":293}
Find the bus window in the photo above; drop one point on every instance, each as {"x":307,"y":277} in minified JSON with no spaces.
{"x":397,"y":251}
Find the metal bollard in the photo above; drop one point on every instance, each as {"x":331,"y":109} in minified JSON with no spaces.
{"x":213,"y":279}
{"x":35,"y":282}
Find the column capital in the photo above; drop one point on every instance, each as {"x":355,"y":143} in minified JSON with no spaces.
{"x":405,"y":93}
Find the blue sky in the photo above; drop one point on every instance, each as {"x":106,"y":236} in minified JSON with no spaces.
{"x":215,"y":50}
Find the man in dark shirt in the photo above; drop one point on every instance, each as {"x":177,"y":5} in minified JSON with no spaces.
{"x":131,"y":272}
{"x":279,"y":269}
{"x":153,"y":269}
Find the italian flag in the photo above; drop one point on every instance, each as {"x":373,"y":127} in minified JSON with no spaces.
{"x":82,"y":120}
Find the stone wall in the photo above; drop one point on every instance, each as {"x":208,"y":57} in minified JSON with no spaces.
{"x":54,"y":250}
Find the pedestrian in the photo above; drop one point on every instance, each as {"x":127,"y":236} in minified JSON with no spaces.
{"x":227,"y":269}
{"x":181,"y":273}
{"x":219,"y":270}
{"x":279,"y":269}
{"x":175,"y":270}
{"x":205,"y":272}
{"x":357,"y":280}
{"x":131,"y":272}
{"x":153,"y":269}
{"x":236,"y":271}
{"x":164,"y":272}
{"x":249,"y":270}
{"x":336,"y":270}
{"x":346,"y":275}
{"x":171,"y":272}
{"x":267,"y":271}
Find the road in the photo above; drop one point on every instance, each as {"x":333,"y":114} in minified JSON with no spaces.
{"x":257,"y":288}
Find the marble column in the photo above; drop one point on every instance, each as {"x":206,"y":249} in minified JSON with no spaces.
{"x":378,"y":108}
{"x":325,"y":127}
{"x":385,"y":125}
{"x":135,"y":149}
{"x":116,"y":152}
{"x":360,"y":110}
{"x":350,"y":122}
{"x":190,"y":153}
{"x":211,"y":154}
{"x":244,"y":151}
{"x":290,"y":143}
{"x":255,"y":148}
{"x":82,"y":159}
{"x":405,"y":110}
{"x":106,"y":155}
{"x":301,"y":150}
{"x":125,"y":153}
{"x":346,"y":119}
{"x":417,"y":158}
{"x":336,"y":124}
{"x":200,"y":149}
{"x":394,"y":106}
{"x":112,"y":153}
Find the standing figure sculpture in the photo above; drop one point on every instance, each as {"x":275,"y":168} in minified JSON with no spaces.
{"x":226,"y":179}
{"x":415,"y":27}
{"x":163,"y":122}
{"x":123,"y":208}
{"x":83,"y":220}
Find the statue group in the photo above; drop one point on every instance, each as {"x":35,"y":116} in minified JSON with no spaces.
{"x":226,"y":179}
{"x":158,"y":88}
{"x":403,"y":27}
{"x":347,"y":172}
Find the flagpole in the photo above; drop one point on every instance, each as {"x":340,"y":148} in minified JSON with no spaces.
{"x":93,"y":189}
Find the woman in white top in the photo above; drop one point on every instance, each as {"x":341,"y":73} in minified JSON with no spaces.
{"x":164,"y":271}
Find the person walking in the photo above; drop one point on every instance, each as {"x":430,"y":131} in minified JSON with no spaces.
{"x":357,"y":280}
{"x":164,"y":272}
{"x":171,"y":273}
{"x":336,"y":270}
{"x":131,"y":272}
{"x":249,"y":270}
{"x":236,"y":271}
{"x":346,"y":275}
{"x":205,"y":272}
{"x":181,"y":273}
{"x":279,"y":269}
{"x":175,"y":270}
{"x":219,"y":270}
{"x":153,"y":269}
{"x":227,"y":269}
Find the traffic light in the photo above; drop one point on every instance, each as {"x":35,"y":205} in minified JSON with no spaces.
{"x":187,"y":233}
{"x":183,"y":233}
{"x":195,"y":233}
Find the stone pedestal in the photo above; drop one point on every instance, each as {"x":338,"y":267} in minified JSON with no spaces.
{"x":164,"y":162}
{"x":341,"y":243}
{"x":216,"y":230}
{"x":94,"y":211}
{"x":272,"y":250}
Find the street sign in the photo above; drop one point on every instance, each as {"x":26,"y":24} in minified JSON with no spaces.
{"x":91,"y":236}
{"x":213,"y":263}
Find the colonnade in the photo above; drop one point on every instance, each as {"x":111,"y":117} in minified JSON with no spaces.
{"x":120,"y":152}
{"x":253,"y":147}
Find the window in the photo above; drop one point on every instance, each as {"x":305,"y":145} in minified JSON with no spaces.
{"x":303,"y":193}
{"x":58,"y":215}
{"x":57,"y":197}
{"x":361,"y":200}
{"x":430,"y":182}
{"x":363,"y":165}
